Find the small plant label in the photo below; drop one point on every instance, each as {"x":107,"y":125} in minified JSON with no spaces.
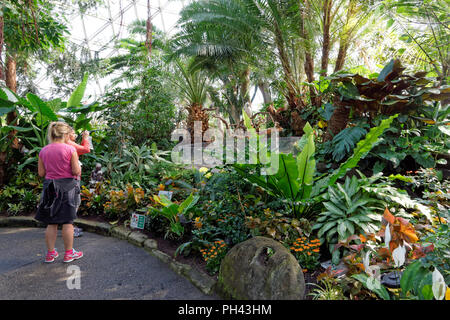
{"x":137,"y":221}
{"x":167,"y":194}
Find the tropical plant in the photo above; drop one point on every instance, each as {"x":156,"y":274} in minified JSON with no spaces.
{"x":328,"y":286}
{"x":293,"y":180}
{"x":278,"y":226}
{"x":213,"y":255}
{"x":422,"y":27}
{"x":306,"y":252}
{"x":193,"y":86}
{"x":172,"y":212}
{"x":35,"y":115}
{"x":391,"y":92}
{"x":349,"y":210}
{"x":122,"y":203}
{"x":244,"y":31}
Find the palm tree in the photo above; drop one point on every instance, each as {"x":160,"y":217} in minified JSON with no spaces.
{"x":291,"y":31}
{"x":241,"y":34}
{"x":193,"y":87}
{"x":424,"y":25}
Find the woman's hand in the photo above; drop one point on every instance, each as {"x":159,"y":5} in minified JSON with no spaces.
{"x":85,"y":134}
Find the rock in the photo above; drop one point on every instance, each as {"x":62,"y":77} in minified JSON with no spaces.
{"x":93,"y":226}
{"x":150,"y":244}
{"x":137,"y":238}
{"x":120,"y":232}
{"x":261,"y":269}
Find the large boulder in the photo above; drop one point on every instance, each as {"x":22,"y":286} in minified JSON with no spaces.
{"x":261,"y":269}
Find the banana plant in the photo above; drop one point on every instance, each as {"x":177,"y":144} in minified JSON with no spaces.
{"x":77,"y":114}
{"x":35,"y":115}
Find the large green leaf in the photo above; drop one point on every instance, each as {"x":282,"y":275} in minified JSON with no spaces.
{"x":345,"y":141}
{"x":287,"y":176}
{"x":413,"y":272}
{"x":20,"y":129}
{"x":40,"y":106}
{"x":7,"y":95}
{"x":306,"y":163}
{"x":188,"y":203}
{"x":362,"y":148}
{"x":77,"y":95}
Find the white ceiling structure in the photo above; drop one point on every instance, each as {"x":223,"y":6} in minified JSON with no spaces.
{"x":99,"y":29}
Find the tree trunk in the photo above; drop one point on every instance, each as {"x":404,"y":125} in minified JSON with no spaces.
{"x":235,"y":115}
{"x":338,"y":120}
{"x":149,"y":35}
{"x":11,"y":83}
{"x":291,"y":94}
{"x":342,"y":54}
{"x":265,"y":91}
{"x":245,"y":86}
{"x":10,"y":75}
{"x":345,"y":37}
{"x":327,"y":4}
{"x":196,"y":113}
{"x":309,"y":60}
{"x":1,"y":46}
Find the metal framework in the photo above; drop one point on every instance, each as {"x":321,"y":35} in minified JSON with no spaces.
{"x":98,"y":32}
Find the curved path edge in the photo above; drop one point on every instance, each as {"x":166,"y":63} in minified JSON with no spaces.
{"x":197,"y":278}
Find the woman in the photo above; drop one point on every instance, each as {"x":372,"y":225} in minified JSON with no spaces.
{"x":83,"y":147}
{"x":58,"y":163}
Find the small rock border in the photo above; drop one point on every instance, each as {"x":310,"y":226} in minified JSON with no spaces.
{"x":203,"y":283}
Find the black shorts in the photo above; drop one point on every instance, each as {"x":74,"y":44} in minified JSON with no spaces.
{"x":59,"y":224}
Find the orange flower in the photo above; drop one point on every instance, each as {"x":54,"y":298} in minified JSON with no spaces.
{"x":362,"y":238}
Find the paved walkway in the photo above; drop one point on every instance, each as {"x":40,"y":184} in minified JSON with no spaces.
{"x":110,"y":269}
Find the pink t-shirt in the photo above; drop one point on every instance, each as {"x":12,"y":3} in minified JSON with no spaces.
{"x":56,"y":158}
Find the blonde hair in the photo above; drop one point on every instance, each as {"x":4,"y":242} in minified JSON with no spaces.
{"x":57,"y":130}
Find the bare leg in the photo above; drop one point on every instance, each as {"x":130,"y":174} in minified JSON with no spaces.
{"x":67,"y":235}
{"x":50,"y":236}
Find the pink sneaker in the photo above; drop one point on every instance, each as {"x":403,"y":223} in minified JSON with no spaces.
{"x":72,"y":255}
{"x":51,"y":256}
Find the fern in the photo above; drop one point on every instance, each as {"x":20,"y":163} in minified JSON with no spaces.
{"x":345,"y":141}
